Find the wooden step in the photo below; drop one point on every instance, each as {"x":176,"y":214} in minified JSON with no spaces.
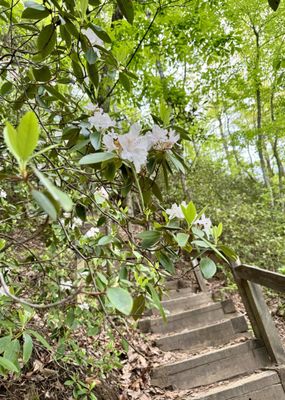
{"x":191,"y":319}
{"x":188,"y":302}
{"x":171,"y":285}
{"x":217,"y":365}
{"x":261,"y":386}
{"x":210,"y":335}
{"x":175,"y":293}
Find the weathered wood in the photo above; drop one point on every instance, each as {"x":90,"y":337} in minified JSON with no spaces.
{"x":198,"y":274}
{"x":260,"y":318}
{"x":261,"y":276}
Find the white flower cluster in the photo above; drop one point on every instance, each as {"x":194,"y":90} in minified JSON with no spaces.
{"x":3,"y":194}
{"x":176,"y":212}
{"x":92,"y":232}
{"x":131,"y":146}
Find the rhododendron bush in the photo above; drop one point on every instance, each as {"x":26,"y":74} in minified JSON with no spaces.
{"x":85,"y":233}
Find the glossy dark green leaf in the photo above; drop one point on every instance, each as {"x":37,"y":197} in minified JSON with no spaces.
{"x":123,"y":78}
{"x":47,"y":40}
{"x":78,"y":71}
{"x":103,"y":35}
{"x":274,"y":4}
{"x":138,"y":307}
{"x":127,"y":9}
{"x":166,"y":262}
{"x":149,"y":238}
{"x":35,"y":10}
{"x":6,"y":88}
{"x":42,"y":74}
{"x":93,"y":74}
{"x":80,"y":210}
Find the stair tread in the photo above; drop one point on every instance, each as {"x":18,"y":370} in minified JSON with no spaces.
{"x":213,"y":354}
{"x":190,"y":296}
{"x":238,"y":387}
{"x":217,"y":365}
{"x":208,"y":326}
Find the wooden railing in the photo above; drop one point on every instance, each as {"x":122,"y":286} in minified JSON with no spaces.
{"x":248,"y":280}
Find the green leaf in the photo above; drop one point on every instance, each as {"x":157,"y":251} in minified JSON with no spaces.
{"x":95,"y":139}
{"x":96,"y":158}
{"x":45,"y":204}
{"x":6,"y":88}
{"x":63,"y":199}
{"x":83,"y":6}
{"x":156,"y":300}
{"x":42,"y":74}
{"x":35,"y":10}
{"x":91,"y":56}
{"x":93,"y":74}
{"x":228,"y":252}
{"x":123,"y":78}
{"x":10,"y":137}
{"x":27,"y":135}
{"x":120,"y":299}
{"x":138,"y":307}
{"x":149,"y":238}
{"x":181,"y":239}
{"x":189,"y":212}
{"x":2,"y":245}
{"x":166,"y":262}
{"x":47,"y":40}
{"x":53,"y":91}
{"x":27,"y":347}
{"x":103,"y":35}
{"x":40,"y":339}
{"x":4,"y":342}
{"x":23,"y":141}
{"x":274,"y":4}
{"x":105,"y":240}
{"x":127,"y":9}
{"x":220,"y":229}
{"x":81,"y":211}
{"x":8,"y":365}
{"x":208,"y":267}
{"x":78,"y":72}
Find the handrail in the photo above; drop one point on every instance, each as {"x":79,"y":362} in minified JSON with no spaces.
{"x":263,"y":277}
{"x":248,"y":280}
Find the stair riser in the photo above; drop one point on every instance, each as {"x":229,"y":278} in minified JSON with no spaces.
{"x":207,"y":369}
{"x":204,"y":337}
{"x":191,"y":320}
{"x":183,"y":304}
{"x":175,"y":294}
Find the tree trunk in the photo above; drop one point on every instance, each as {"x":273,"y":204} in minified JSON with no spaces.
{"x":260,"y":136}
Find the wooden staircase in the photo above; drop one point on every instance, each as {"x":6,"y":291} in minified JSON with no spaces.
{"x":231,"y":364}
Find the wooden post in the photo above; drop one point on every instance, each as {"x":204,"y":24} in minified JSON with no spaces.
{"x":200,"y":280}
{"x":260,"y":318}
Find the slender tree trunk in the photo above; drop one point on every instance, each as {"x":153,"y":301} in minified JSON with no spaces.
{"x":225,"y":142}
{"x":274,"y":145}
{"x":260,"y":143}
